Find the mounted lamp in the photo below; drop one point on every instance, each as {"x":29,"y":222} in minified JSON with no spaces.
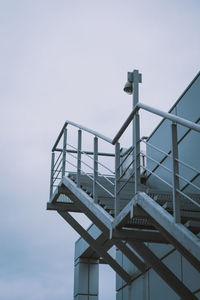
{"x":128,"y":88}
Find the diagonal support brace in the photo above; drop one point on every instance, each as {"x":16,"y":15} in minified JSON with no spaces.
{"x":178,"y":235}
{"x":96,"y":246}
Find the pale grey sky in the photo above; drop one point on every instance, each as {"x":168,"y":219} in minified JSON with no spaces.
{"x":68,"y":60}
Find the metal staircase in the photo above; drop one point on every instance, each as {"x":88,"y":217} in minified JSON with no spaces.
{"x":113,"y":190}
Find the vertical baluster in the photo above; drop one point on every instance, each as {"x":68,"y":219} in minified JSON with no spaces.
{"x":95,"y":170}
{"x":136,"y":78}
{"x":52,"y":174}
{"x":175,"y":178}
{"x":117,"y":181}
{"x":64,"y":152}
{"x":79,"y":158}
{"x":137,"y":151}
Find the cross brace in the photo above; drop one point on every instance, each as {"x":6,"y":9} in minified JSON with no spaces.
{"x":96,"y":246}
{"x":99,"y":217}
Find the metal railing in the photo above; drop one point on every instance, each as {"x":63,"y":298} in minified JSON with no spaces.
{"x":127,"y":166}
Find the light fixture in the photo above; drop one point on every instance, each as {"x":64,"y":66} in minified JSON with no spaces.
{"x":128,"y":88}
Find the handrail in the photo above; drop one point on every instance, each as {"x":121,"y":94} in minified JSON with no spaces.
{"x":157,"y":112}
{"x":139,"y":105}
{"x":58,"y":138}
{"x":170,"y":117}
{"x":125,"y":125}
{"x":95,"y":133}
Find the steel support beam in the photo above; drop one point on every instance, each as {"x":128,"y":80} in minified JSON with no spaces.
{"x":99,"y":217}
{"x":63,"y":206}
{"x":178,"y":235}
{"x":96,"y":246}
{"x":130,"y":255}
{"x":141,"y":235}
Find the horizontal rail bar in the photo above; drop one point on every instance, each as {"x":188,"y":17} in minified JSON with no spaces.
{"x":92,"y":158}
{"x":95,"y":133}
{"x":189,"y":182}
{"x":170,"y":117}
{"x":139,"y":105}
{"x":157,"y":112}
{"x":87,"y":165}
{"x":188,"y":166}
{"x":188,"y":197}
{"x":83,"y":152}
{"x":70,"y":154}
{"x":56,"y":170}
{"x":127,"y":155}
{"x":98,"y":183}
{"x":87,"y":175}
{"x":125,"y":125}
{"x":92,"y":167}
{"x":125,"y":183}
{"x":55,"y":178}
{"x":129,"y":149}
{"x":159,"y":164}
{"x":126,"y":169}
{"x":156,"y":148}
{"x":107,"y":191}
{"x":103,"y":176}
{"x":157,"y":177}
{"x":86,"y":152}
{"x":69,"y":162}
{"x":57,"y":159}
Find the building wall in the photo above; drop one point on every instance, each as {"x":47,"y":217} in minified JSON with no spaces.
{"x":149,"y":285}
{"x":188,"y":107}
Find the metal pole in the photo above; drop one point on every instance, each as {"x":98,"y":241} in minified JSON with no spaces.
{"x":117,"y":176}
{"x":175,"y":178}
{"x":136,"y":79}
{"x":79,"y":158}
{"x":52,"y":171}
{"x":64,"y":151}
{"x":95,"y":170}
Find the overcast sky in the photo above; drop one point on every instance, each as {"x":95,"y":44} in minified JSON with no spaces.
{"x":69,"y":60}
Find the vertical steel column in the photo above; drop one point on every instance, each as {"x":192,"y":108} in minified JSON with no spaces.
{"x":117,"y":176}
{"x":86,"y":279}
{"x":136,"y":79}
{"x":175,"y":178}
{"x":64,"y":151}
{"x":95,"y":170}
{"x":79,"y":158}
{"x":52,"y":173}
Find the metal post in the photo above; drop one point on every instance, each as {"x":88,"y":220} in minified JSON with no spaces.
{"x":175,"y":171}
{"x":64,"y":151}
{"x":95,"y":170}
{"x":117,"y":176}
{"x":79,"y":158}
{"x":136,"y":79}
{"x":52,"y":173}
